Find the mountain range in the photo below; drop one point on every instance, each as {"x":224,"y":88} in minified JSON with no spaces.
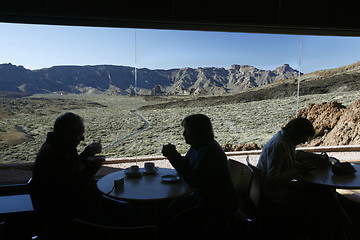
{"x":340,"y":80}
{"x":121,"y":79}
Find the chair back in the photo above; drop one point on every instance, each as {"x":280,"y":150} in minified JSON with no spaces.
{"x":255,"y":193}
{"x":33,"y":196}
{"x":242,"y":176}
{"x":91,"y":231}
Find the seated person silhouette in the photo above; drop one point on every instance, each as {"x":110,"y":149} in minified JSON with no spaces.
{"x":205,"y":168}
{"x":282,"y":196}
{"x":277,"y":163}
{"x":63,"y":184}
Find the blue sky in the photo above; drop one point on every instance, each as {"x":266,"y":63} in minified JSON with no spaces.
{"x":40,"y":46}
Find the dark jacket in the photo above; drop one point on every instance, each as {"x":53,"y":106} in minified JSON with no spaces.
{"x":63,"y":185}
{"x":206,"y":170}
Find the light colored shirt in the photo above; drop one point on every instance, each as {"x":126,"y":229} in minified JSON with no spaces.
{"x":277,"y":167}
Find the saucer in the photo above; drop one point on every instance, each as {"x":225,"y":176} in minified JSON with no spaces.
{"x":132,"y":174}
{"x":170,"y":178}
{"x":150,"y":172}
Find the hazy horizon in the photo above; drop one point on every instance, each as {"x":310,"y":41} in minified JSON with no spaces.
{"x":68,"y":65}
{"x":42,"y":46}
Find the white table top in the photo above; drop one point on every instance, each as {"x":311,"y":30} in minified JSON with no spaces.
{"x":324,"y":176}
{"x":147,"y":187}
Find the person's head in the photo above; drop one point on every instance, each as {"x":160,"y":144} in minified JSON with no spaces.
{"x":197,"y":129}
{"x":300,"y":130}
{"x":70,"y":127}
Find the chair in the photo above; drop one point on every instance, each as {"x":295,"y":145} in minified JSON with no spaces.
{"x":36,"y":224}
{"x":90,"y":231}
{"x":242,"y":177}
{"x":255,"y":191}
{"x":243,"y":222}
{"x":264,"y":218}
{"x":30,"y":188}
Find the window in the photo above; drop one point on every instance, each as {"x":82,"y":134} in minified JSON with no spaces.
{"x":133,"y":86}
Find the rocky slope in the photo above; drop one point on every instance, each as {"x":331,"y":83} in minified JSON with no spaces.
{"x":120,"y":79}
{"x":341,"y":79}
{"x":334,"y":123}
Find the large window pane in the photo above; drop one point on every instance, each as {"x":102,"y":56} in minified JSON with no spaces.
{"x":134,"y":86}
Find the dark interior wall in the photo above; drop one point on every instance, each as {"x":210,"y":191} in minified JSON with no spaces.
{"x":267,"y":16}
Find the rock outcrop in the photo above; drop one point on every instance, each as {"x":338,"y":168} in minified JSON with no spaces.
{"x":334,"y":123}
{"x":241,"y":147}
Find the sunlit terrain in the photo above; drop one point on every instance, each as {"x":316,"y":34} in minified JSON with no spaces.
{"x":113,"y":119}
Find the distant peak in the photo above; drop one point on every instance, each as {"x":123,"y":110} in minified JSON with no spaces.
{"x":11,"y":66}
{"x":283,"y":68}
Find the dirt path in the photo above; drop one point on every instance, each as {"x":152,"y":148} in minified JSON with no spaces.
{"x":139,"y":130}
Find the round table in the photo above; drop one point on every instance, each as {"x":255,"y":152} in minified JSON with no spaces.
{"x":146,"y":187}
{"x":324,"y":176}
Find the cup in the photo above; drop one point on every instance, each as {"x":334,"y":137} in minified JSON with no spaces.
{"x":134,"y":169}
{"x":95,"y":147}
{"x":119,"y":183}
{"x":149,"y":166}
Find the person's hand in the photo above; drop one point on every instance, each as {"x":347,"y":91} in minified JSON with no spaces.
{"x":169,"y":150}
{"x":94,"y":148}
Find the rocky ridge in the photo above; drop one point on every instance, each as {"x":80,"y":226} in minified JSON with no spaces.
{"x":342,"y":79}
{"x":116,"y":80}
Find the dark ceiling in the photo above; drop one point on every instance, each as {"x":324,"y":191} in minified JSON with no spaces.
{"x":266,"y":16}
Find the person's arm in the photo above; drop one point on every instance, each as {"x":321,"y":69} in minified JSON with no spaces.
{"x":197,"y":176}
{"x":91,"y":167}
{"x":311,"y":159}
{"x":276,"y":158}
{"x":63,"y":172}
{"x":177,"y":161}
{"x":90,"y":150}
